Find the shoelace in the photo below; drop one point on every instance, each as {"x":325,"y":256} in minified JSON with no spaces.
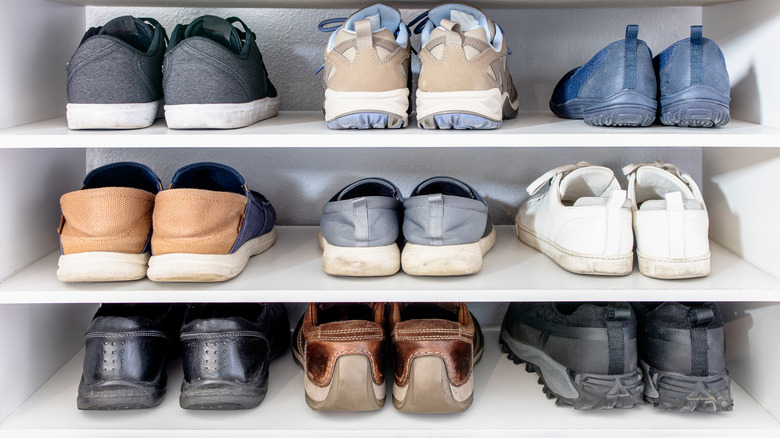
{"x":631,"y":169}
{"x":550,"y":174}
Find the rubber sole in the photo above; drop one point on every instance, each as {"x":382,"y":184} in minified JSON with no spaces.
{"x":222,"y":395}
{"x":483,"y":109}
{"x":359,"y":262}
{"x":112,"y":116}
{"x":577,"y":263}
{"x":351,"y":387}
{"x":448,"y":259}
{"x":102,"y":266}
{"x":581,"y":390}
{"x":120,"y":395}
{"x":364,"y":110}
{"x":673,"y":269}
{"x":697,"y":106}
{"x":429,"y":390}
{"x":207,"y":267}
{"x":627,"y":108}
{"x":687,"y":393}
{"x":220,"y":115}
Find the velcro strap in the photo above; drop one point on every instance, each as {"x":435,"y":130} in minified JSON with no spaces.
{"x":543,"y":180}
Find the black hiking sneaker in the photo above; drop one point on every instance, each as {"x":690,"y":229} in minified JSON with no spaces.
{"x":585,"y":354}
{"x":682,"y":356}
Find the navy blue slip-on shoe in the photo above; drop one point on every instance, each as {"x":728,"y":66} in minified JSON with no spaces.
{"x":617,"y":87}
{"x":207,"y":225}
{"x":694,"y":83}
{"x":127,"y":347}
{"x":584,"y":353}
{"x":226,"y":352}
{"x":682,"y":356}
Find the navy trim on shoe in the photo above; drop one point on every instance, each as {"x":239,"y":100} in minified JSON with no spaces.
{"x":629,"y":78}
{"x":697,"y":55}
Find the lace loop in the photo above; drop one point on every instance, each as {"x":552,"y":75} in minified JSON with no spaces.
{"x":331,"y":24}
{"x":424,"y":17}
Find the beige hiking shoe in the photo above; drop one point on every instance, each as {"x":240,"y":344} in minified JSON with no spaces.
{"x":366,"y":71}
{"x":464,"y":80}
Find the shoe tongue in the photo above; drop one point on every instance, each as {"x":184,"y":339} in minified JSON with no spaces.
{"x":130,"y":30}
{"x":591,"y":181}
{"x":380,"y":17}
{"x":217,"y":29}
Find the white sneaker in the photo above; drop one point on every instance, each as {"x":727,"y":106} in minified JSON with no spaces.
{"x":670,"y":221}
{"x":582,"y":222}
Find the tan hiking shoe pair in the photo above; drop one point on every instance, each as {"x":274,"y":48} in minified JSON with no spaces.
{"x":464,"y":80}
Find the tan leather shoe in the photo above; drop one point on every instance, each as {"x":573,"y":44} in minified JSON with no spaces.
{"x":436,"y":347}
{"x":340,"y":348}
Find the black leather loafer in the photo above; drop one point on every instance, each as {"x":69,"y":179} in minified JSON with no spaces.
{"x":226,"y":350}
{"x":127,"y":347}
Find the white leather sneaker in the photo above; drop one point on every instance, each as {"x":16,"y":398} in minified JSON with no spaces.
{"x":670,"y":221}
{"x":582,"y":222}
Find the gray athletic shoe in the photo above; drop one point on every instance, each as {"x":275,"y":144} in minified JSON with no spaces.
{"x":447,"y":229}
{"x":359,"y":229}
{"x":115,"y":75}
{"x":214,"y":76}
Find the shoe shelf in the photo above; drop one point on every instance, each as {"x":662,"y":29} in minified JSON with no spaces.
{"x":332,"y":4}
{"x":307,"y":129}
{"x":291,"y":271}
{"x":507,"y":402}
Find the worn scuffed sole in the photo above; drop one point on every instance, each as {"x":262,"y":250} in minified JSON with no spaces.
{"x":697,"y":106}
{"x":351,"y":387}
{"x":364,"y":110}
{"x":483,"y":109}
{"x":359,"y":261}
{"x":102,"y":266}
{"x":207,"y":267}
{"x":626,"y":108}
{"x":577,"y":263}
{"x":672,"y":269}
{"x":112,"y":115}
{"x":120,"y":395}
{"x":580,"y":390}
{"x":448,"y":259}
{"x":220,"y":115}
{"x":429,"y":389}
{"x":678,"y":392}
{"x":223,"y":395}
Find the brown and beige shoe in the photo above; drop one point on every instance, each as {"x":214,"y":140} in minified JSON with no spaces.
{"x":464,"y":79}
{"x":341,"y":348}
{"x":366,"y":71}
{"x":436,"y":347}
{"x":105,"y":227}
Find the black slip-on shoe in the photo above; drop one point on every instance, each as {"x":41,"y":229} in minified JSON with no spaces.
{"x":226,"y":351}
{"x":585,"y":354}
{"x":682,"y":356}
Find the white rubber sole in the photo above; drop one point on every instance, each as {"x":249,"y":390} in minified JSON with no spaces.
{"x":207,"y":267}
{"x":621,"y":264}
{"x":112,"y":116}
{"x":220,"y":115}
{"x":673,"y":269}
{"x":485,"y":103}
{"x":359,"y":262}
{"x":446,"y":260}
{"x":341,"y":103}
{"x":102,"y":266}
{"x":351,"y":387}
{"x":429,"y":389}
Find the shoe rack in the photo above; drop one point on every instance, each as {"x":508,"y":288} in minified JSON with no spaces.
{"x":298,"y":164}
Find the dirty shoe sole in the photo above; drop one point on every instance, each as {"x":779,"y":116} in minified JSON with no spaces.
{"x":364,"y":110}
{"x":112,"y":115}
{"x":207,"y":267}
{"x":580,"y":390}
{"x":429,"y":389}
{"x":359,"y":261}
{"x":446,"y":260}
{"x":102,"y":266}
{"x":120,"y":395}
{"x":670,"y":269}
{"x":687,"y":393}
{"x":220,"y":115}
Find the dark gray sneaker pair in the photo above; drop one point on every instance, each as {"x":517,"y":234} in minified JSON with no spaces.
{"x":444,"y":223}
{"x":211,"y":76}
{"x":623,"y":85}
{"x":606,"y":355}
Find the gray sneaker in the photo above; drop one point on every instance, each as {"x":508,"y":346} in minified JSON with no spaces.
{"x":359,"y":229}
{"x":115,"y":75}
{"x":214,"y":76}
{"x":447,"y":229}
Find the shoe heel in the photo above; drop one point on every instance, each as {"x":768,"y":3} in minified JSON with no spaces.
{"x":446,"y":260}
{"x":687,"y":393}
{"x":359,"y":262}
{"x":429,"y":389}
{"x":670,"y":269}
{"x":696,"y":107}
{"x":351,"y":388}
{"x":628,"y":108}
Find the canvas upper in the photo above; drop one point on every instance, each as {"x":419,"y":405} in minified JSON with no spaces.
{"x":119,"y":62}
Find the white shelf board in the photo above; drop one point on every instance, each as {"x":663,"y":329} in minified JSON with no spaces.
{"x":291,"y":271}
{"x":507,"y":400}
{"x":412,"y":4}
{"x":307,"y":129}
